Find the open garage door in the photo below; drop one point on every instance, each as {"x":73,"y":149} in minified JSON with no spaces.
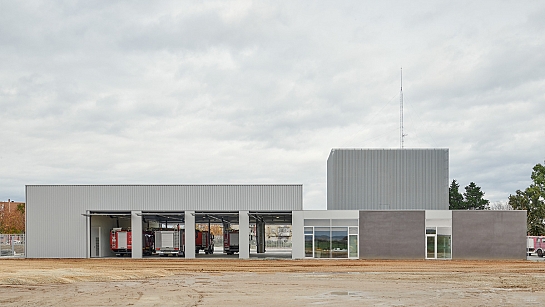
{"x":163,"y":234}
{"x":216,"y":234}
{"x":101,"y":226}
{"x":271,"y":234}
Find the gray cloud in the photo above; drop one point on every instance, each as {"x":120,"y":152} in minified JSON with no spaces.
{"x":258,"y":92}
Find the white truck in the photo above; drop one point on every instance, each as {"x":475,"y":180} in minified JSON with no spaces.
{"x":169,"y":242}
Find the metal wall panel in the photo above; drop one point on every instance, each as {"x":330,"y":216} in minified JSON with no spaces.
{"x":387,"y":179}
{"x":57,"y":228}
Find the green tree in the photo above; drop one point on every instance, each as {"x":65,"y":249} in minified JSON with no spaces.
{"x":473,"y":197}
{"x":456,"y":199}
{"x":533,"y":201}
{"x":538,"y":177}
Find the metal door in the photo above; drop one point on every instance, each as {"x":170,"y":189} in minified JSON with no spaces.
{"x":95,"y":242}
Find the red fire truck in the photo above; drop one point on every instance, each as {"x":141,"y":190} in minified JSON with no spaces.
{"x":148,"y":244}
{"x":204,"y":240}
{"x":172,"y":242}
{"x":230,"y":241}
{"x":536,"y":244}
{"x":121,"y":242}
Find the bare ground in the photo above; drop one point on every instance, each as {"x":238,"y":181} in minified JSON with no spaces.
{"x":229,"y":282}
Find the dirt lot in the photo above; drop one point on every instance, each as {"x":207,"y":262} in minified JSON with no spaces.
{"x":178,"y":282}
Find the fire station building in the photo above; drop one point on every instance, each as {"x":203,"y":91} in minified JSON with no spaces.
{"x":381,"y":204}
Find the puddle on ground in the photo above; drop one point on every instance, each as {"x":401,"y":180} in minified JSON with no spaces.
{"x":340,"y":293}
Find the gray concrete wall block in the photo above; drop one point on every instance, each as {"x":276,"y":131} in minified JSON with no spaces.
{"x":488,"y":234}
{"x":392,"y":234}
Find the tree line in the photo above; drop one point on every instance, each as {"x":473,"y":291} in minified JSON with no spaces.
{"x":472,"y":199}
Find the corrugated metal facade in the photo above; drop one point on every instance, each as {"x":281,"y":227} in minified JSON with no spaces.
{"x":56,"y":227}
{"x":387,"y":179}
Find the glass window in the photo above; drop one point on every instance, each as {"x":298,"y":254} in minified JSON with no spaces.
{"x":430,"y":230}
{"x":331,"y":242}
{"x":308,"y":246}
{"x":353,"y":244}
{"x":443,"y":247}
{"x":339,"y":242}
{"x":322,"y":242}
{"x":444,"y":235}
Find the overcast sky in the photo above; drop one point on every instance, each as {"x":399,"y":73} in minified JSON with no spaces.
{"x":197,"y":92}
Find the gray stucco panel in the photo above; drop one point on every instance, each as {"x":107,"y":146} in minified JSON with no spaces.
{"x":488,"y":234}
{"x":392,"y":234}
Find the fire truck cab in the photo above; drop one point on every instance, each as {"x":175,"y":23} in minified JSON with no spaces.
{"x":204,"y":240}
{"x":230,"y":241}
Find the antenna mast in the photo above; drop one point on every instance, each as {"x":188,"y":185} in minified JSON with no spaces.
{"x":401,"y":134}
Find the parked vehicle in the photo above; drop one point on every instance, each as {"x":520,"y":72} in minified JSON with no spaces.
{"x":163,"y":242}
{"x":121,"y":242}
{"x":536,"y":244}
{"x":169,"y":242}
{"x":204,"y":240}
{"x":148,"y":244}
{"x":230,"y":241}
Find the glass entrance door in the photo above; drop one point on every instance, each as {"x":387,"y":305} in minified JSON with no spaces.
{"x":438,"y":243}
{"x":443,"y":246}
{"x":431,"y":246}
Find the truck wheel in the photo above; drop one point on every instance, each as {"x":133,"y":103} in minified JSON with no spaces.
{"x":539,"y":253}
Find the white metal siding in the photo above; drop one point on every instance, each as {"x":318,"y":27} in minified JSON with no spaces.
{"x":387,"y":179}
{"x":170,"y":198}
{"x":55,"y":231}
{"x":56,"y":227}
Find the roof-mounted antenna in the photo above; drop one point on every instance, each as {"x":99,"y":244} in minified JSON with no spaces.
{"x":401,"y":134}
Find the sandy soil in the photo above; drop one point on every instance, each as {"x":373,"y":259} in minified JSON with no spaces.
{"x":228,"y":282}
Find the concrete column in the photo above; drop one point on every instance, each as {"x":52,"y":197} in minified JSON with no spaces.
{"x":260,"y":236}
{"x":189,"y":234}
{"x":244,"y":235}
{"x":136,"y":229}
{"x":297,"y":235}
{"x":87,"y":232}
